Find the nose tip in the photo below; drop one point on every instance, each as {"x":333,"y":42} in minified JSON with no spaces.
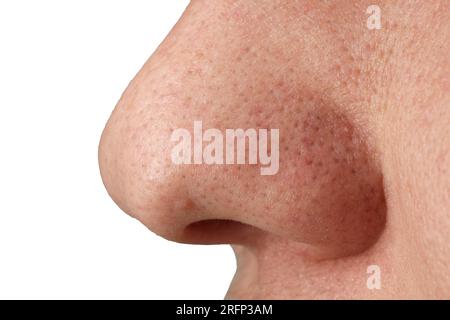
{"x":137,"y":171}
{"x":158,"y":193}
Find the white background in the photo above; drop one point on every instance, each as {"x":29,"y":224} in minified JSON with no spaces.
{"x":63,"y":66}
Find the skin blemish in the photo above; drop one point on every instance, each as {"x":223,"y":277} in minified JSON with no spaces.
{"x":308,"y":161}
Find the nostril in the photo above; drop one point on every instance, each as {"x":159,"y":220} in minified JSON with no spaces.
{"x":217,"y":231}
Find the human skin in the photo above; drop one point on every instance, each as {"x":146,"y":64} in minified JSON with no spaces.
{"x":364,"y":119}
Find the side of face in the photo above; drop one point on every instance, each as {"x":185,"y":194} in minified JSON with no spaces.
{"x":355,"y":109}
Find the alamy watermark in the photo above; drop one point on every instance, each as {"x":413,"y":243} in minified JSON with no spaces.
{"x":374,"y":20}
{"x":234,"y":146}
{"x":374,"y":278}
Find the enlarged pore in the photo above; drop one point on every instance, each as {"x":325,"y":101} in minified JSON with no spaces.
{"x":328,"y":193}
{"x":343,"y":208}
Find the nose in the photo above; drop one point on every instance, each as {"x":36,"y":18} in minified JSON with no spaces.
{"x":327,"y":192}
